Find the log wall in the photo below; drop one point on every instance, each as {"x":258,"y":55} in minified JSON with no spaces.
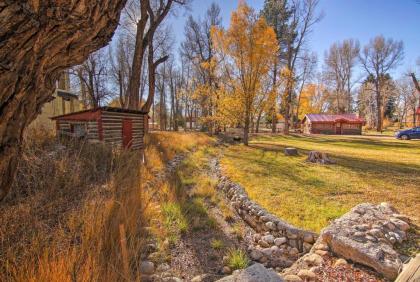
{"x":108,"y":128}
{"x":64,"y":128}
{"x":112,"y":128}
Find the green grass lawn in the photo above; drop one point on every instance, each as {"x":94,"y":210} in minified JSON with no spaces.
{"x":368,"y":169}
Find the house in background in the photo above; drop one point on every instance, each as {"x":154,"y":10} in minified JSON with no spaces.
{"x":63,"y":102}
{"x":115,"y":126}
{"x":342,"y":124}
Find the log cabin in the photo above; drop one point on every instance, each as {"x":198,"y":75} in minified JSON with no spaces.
{"x":342,"y":124}
{"x":115,"y":126}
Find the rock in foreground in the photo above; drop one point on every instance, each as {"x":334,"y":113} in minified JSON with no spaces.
{"x":255,"y":273}
{"x":367,"y":235}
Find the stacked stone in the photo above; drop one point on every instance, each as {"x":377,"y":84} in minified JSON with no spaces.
{"x":367,"y":235}
{"x":379,"y":224}
{"x":276,"y":243}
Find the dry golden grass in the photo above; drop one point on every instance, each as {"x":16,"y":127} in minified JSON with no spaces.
{"x":70,"y":205}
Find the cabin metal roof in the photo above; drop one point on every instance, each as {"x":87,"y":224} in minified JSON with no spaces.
{"x":90,"y":114}
{"x":327,"y":118}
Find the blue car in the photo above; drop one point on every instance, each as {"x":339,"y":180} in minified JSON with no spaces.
{"x":413,"y":133}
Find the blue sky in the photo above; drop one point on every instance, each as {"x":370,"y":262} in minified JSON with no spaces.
{"x":359,"y":19}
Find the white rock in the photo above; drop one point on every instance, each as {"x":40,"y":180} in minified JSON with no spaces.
{"x":226,"y":270}
{"x":321,"y":252}
{"x":269,"y":239}
{"x":270,"y":225}
{"x":267,"y":252}
{"x":313,"y":259}
{"x":340,"y":262}
{"x":275,"y":251}
{"x":255,"y":254}
{"x":322,"y":247}
{"x":308,"y":238}
{"x":280,"y":241}
{"x":307,"y":274}
{"x":255,"y":273}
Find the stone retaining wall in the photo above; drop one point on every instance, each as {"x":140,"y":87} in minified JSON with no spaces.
{"x":276,"y":243}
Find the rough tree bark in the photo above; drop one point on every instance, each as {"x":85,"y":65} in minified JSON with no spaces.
{"x":379,"y":110}
{"x":38,"y":40}
{"x":146,"y":27}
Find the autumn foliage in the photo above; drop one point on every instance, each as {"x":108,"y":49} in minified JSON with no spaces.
{"x":245,"y":52}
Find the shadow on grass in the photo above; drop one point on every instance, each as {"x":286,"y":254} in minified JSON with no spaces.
{"x":357,"y":164}
{"x":347,"y":141}
{"x":271,"y":162}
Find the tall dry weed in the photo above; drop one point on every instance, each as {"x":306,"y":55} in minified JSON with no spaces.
{"x":62,"y":221}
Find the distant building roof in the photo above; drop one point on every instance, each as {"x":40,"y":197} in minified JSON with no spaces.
{"x":327,"y":118}
{"x":418,"y":111}
{"x":66,"y":94}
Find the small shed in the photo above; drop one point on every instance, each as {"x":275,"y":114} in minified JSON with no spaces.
{"x":418,"y":117}
{"x":118,"y":127}
{"x":341,"y":124}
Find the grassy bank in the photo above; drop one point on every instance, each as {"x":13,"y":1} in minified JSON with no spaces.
{"x":368,"y":169}
{"x":72,"y":206}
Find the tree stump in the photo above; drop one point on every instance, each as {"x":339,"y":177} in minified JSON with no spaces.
{"x":290,"y":152}
{"x":237,"y":138}
{"x":319,"y":157}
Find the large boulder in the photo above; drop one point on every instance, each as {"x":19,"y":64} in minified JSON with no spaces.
{"x":255,"y":273}
{"x":366,"y":235}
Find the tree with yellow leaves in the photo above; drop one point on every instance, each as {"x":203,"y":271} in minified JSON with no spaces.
{"x":246,"y":51}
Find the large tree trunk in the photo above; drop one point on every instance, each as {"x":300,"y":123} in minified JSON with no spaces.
{"x":152,"y":66}
{"x":257,"y":127}
{"x":137,"y":64}
{"x":274,"y":113}
{"x":416,"y":83}
{"x":38,"y":40}
{"x":246,"y":127}
{"x":287,"y":108}
{"x":379,"y":113}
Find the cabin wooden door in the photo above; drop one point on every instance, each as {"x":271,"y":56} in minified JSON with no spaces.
{"x":338,"y":129}
{"x":127,"y":133}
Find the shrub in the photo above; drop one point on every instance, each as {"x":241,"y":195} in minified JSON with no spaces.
{"x":174,"y":219}
{"x":216,"y":244}
{"x":237,"y":259}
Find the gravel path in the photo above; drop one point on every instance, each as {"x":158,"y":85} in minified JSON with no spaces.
{"x":193,"y":255}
